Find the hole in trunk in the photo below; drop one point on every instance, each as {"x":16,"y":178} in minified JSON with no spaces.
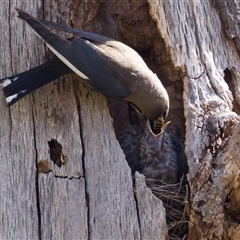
{"x":56,"y":154}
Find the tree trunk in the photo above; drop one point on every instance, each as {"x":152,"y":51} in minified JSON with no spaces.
{"x":87,"y":191}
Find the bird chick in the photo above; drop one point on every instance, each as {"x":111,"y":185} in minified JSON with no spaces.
{"x":158,"y":157}
{"x":107,"y":65}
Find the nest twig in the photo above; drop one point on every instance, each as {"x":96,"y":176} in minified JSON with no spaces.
{"x":175,"y":201}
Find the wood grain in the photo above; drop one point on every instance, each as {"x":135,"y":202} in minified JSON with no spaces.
{"x":90,"y":196}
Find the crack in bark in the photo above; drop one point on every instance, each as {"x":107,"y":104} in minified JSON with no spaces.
{"x":191,"y":77}
{"x":138,"y":215}
{"x":10,"y":35}
{"x":36,"y":174}
{"x":10,"y":130}
{"x":11,"y":65}
{"x":68,"y":178}
{"x":76,"y":94}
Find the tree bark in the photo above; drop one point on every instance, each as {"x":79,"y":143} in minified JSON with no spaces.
{"x":89,"y":194}
{"x":193,"y":46}
{"x":204,"y":56}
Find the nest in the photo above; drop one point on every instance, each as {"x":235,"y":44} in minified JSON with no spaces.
{"x":175,"y":201}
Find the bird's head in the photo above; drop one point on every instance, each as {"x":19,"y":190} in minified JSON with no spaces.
{"x":156,"y":127}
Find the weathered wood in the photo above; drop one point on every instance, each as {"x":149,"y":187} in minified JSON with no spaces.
{"x":112,"y":208}
{"x":56,"y":116}
{"x":90,"y":196}
{"x":63,"y":208}
{"x":229,"y":11}
{"x":19,"y":215}
{"x":151,"y":222}
{"x":201,"y":51}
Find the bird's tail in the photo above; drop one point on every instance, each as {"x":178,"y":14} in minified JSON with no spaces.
{"x":18,"y":86}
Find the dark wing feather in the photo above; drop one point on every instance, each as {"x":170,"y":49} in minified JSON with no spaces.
{"x":97,"y":68}
{"x":87,"y":35}
{"x":81,"y":56}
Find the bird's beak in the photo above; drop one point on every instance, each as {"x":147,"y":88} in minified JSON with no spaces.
{"x":164,"y":126}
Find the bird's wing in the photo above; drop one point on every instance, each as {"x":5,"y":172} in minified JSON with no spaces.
{"x":83,"y":58}
{"x":87,"y":35}
{"x":124,"y":63}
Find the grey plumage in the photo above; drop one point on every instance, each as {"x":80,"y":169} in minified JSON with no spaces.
{"x":107,"y":65}
{"x":158,"y":157}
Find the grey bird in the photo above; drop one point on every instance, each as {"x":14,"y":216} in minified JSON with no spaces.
{"x":109,"y":66}
{"x":159,"y":156}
